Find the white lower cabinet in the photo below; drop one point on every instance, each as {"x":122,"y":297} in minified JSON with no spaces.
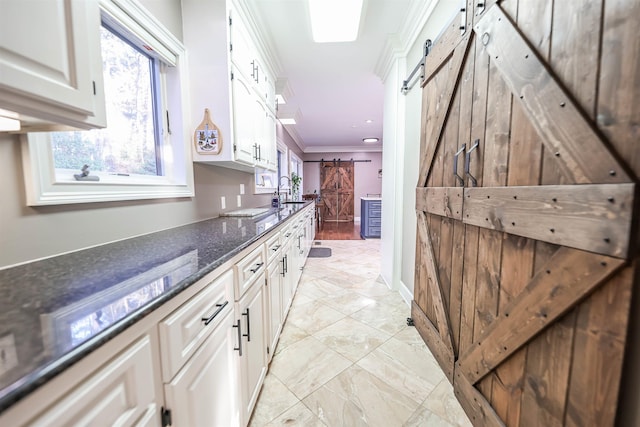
{"x":275,"y":282}
{"x":198,"y":362}
{"x":122,"y":393}
{"x":209,"y":351}
{"x":288,"y":277}
{"x":203,"y":393}
{"x":251,"y":321}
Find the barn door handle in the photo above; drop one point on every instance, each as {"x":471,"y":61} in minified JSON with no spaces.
{"x":467,"y":163}
{"x":455,"y":164}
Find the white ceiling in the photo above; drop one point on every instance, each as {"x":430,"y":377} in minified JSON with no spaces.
{"x":334,"y":85}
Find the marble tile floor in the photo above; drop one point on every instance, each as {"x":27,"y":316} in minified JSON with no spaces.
{"x":346,"y":356}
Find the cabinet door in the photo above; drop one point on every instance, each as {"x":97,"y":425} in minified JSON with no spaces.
{"x":275,"y":313}
{"x":121,"y":393}
{"x":51,"y":72}
{"x":270,"y":141}
{"x":242,"y":50}
{"x":188,"y":327}
{"x":251,"y":312}
{"x":204,"y":392}
{"x":243,"y":119}
{"x":260,"y":133}
{"x":288,"y":261}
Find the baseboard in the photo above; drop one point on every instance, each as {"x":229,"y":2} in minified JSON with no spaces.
{"x":405,"y":293}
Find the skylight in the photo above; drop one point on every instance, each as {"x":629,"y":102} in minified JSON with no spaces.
{"x":335,"y":20}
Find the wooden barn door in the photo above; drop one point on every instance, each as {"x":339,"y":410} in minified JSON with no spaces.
{"x":336,"y":188}
{"x":524,"y":266}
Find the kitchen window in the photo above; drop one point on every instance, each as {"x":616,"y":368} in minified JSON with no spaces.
{"x":144,"y":151}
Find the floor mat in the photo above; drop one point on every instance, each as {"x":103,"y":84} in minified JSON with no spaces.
{"x":319,"y":252}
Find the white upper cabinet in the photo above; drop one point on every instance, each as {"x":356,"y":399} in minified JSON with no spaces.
{"x":50,"y":62}
{"x":231,"y":77}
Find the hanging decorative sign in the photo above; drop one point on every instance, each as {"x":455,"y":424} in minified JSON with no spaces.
{"x":207,"y":136}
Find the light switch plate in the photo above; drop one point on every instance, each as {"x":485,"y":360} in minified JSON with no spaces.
{"x":239,"y":200}
{"x":241,"y":188}
{"x":223,"y":203}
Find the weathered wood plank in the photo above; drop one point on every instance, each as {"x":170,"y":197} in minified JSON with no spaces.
{"x":431,"y":337}
{"x":619,"y":86}
{"x":442,"y":49}
{"x":474,"y":403}
{"x":599,"y":344}
{"x":467,"y":314}
{"x":561,"y":123}
{"x":442,"y":201}
{"x":594,"y":217}
{"x":442,"y":109}
{"x":495,"y":146}
{"x":478,"y":123}
{"x":449,"y":146}
{"x":547,"y":374}
{"x":574,"y":57}
{"x":569,"y":276}
{"x":421,"y":292}
{"x":464,"y":134}
{"x":434,"y":286}
{"x":525,"y":154}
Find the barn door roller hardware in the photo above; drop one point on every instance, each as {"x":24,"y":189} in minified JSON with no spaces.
{"x":410,"y":82}
{"x":334,"y":160}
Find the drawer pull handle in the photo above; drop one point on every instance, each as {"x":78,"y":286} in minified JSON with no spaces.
{"x":209,"y":319}
{"x":275,"y":248}
{"x":287,"y":235}
{"x":239,"y":348}
{"x":253,"y":270}
{"x":248,"y":334}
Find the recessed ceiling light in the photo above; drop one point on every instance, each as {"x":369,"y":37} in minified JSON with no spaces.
{"x":368,"y":121}
{"x":370,"y":140}
{"x":335,"y":20}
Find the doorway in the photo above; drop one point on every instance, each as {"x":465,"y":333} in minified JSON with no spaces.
{"x":336,"y":190}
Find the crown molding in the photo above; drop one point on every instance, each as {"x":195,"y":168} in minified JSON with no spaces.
{"x":398,"y":45}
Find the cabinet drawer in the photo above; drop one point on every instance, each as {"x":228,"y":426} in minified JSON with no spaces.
{"x":375,"y":211}
{"x":373,"y":231}
{"x":375,"y":222}
{"x":120,"y":393}
{"x":273,"y":246}
{"x":248,"y":269}
{"x":183,"y":331}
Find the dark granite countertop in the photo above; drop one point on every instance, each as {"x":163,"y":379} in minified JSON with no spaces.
{"x":55,"y":311}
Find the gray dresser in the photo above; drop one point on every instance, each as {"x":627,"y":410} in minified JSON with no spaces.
{"x":370,"y":216}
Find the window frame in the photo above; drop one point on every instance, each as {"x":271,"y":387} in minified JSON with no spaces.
{"x":46,"y":187}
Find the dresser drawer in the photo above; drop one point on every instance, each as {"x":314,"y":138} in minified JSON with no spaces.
{"x":182,"y":332}
{"x":375,"y":222}
{"x":248,"y":269}
{"x":374,"y":211}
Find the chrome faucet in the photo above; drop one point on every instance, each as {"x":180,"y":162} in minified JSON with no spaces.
{"x":279,"y":184}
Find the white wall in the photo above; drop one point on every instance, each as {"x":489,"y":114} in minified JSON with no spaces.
{"x":402,"y":120}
